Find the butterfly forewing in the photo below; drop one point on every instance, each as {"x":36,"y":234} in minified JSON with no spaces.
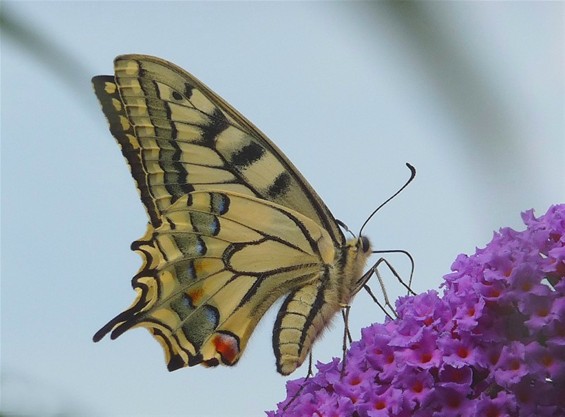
{"x":187,"y":138}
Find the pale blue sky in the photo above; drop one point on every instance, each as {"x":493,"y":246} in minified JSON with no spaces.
{"x":472,"y":94}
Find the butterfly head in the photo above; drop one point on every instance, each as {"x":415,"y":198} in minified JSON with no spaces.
{"x":363,"y":250}
{"x":358,"y":250}
{"x":363,"y":244}
{"x":359,"y":247}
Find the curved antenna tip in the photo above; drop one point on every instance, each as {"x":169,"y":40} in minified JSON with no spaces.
{"x":412,"y":176}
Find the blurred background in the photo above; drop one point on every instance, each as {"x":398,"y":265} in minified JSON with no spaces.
{"x":472,"y":94}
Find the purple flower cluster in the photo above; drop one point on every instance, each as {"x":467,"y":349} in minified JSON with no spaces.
{"x":493,"y":345}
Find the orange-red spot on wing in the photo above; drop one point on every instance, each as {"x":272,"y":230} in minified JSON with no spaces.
{"x":227,"y":346}
{"x":195,"y":296}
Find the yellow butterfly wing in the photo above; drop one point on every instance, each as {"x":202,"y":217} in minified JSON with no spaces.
{"x":207,"y":250}
{"x":233,"y":225}
{"x":178,"y":136}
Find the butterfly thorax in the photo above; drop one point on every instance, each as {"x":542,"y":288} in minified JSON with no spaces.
{"x":350,"y":265}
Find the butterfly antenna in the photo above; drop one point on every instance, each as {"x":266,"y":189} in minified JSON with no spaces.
{"x":412,"y":175}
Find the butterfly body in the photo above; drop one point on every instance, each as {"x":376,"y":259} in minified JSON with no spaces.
{"x":233,"y":225}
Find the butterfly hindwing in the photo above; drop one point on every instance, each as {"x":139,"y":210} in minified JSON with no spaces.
{"x":206,"y":250}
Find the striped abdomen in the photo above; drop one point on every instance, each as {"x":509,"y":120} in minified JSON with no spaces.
{"x":306,"y":312}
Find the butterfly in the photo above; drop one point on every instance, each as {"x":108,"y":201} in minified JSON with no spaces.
{"x":233,"y":225}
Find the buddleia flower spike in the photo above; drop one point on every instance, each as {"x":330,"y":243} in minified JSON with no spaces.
{"x":492,"y":344}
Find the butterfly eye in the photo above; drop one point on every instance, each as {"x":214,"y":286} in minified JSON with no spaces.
{"x":364,"y":244}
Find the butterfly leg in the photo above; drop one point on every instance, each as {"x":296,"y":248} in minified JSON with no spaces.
{"x":377,"y":302}
{"x":346,"y":337}
{"x":375,"y":270}
{"x":345,"y":315}
{"x":396,"y":275}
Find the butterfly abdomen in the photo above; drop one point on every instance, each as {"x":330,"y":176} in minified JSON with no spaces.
{"x":308,"y":311}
